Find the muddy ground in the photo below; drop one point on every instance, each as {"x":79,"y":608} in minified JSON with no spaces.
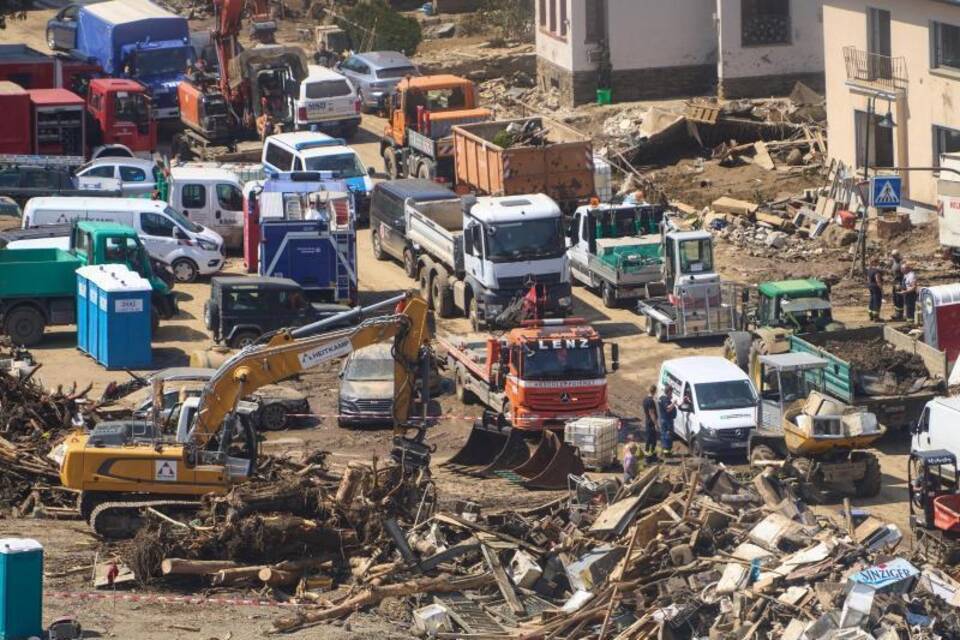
{"x":70,"y":548}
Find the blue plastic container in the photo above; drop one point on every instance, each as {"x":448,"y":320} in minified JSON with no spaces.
{"x":82,"y":337}
{"x":21,"y":589}
{"x":124,"y":324}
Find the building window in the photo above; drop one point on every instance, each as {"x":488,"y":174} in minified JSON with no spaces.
{"x":946,"y":46}
{"x":542,"y":4}
{"x":596,"y":20}
{"x":878,"y":32}
{"x":765,"y":22}
{"x":563,"y":17}
{"x":553,"y":16}
{"x":880,"y":140}
{"x":945,"y":140}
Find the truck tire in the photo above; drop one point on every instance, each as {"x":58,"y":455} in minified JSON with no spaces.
{"x":24,"y":326}
{"x":243,"y":339}
{"x":872,"y":482}
{"x":376,"y":246}
{"x":426,"y":291}
{"x":390,"y":163}
{"x":473,"y":314}
{"x":427,"y":170}
{"x":650,"y":326}
{"x":663,"y":333}
{"x":608,"y":294}
{"x":736,"y":349}
{"x":185,"y":270}
{"x":441,"y":294}
{"x":464,"y":395}
{"x":409,"y":263}
{"x":210,"y":314}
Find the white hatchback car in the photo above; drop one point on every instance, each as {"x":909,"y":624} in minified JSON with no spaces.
{"x":137,"y":176}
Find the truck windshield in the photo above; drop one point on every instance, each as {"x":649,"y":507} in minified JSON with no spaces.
{"x":730,"y":394}
{"x":562,"y":360}
{"x":182,"y":220}
{"x":132,"y":107}
{"x":162,"y":62}
{"x":343,"y":165}
{"x":525,"y":240}
{"x":696,"y":256}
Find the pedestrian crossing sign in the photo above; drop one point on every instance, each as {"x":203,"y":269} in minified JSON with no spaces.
{"x":885,"y":192}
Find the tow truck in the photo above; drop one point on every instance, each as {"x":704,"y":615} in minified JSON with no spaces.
{"x":538,"y":375}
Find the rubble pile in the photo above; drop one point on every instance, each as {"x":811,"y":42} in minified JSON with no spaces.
{"x":32,"y":420}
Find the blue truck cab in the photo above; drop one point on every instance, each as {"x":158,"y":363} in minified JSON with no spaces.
{"x":129,"y":38}
{"x":317,"y":152}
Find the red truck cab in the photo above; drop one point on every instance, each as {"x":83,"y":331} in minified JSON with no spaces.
{"x":122,"y":112}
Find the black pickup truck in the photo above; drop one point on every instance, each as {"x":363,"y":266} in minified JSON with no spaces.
{"x":24,"y":182}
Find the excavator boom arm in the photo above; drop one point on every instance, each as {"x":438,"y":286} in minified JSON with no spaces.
{"x":287,"y":354}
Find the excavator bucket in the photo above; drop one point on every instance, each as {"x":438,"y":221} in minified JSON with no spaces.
{"x":553,"y":475}
{"x":514,"y":453}
{"x":487,"y":439}
{"x":542,"y":455}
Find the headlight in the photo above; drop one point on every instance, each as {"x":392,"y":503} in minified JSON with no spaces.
{"x":708,"y":432}
{"x":207,"y":245}
{"x":565,"y":301}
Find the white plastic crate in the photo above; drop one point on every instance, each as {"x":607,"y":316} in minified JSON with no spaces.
{"x":602,"y":179}
{"x":595,"y":437}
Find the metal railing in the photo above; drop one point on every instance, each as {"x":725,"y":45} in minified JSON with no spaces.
{"x":875,"y":71}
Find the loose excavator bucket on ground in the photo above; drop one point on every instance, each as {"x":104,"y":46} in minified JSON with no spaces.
{"x":494,"y":448}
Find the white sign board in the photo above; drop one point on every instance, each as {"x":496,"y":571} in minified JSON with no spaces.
{"x":312,"y":358}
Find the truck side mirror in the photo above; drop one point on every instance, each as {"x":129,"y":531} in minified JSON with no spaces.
{"x":614,"y":357}
{"x":371,"y":172}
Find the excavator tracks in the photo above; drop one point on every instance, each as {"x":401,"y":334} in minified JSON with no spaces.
{"x":119,"y":520}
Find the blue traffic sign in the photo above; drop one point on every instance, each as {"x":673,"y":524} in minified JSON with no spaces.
{"x":885,"y":191}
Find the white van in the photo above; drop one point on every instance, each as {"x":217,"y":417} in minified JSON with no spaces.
{"x":937,"y":427}
{"x":328,"y":102}
{"x":210,"y":197}
{"x":189,"y":248}
{"x":717,"y":404}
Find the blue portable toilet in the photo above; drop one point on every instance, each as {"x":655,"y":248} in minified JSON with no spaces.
{"x":21,"y":589}
{"x":124,"y":324}
{"x":92,"y":315}
{"x":82,"y":338}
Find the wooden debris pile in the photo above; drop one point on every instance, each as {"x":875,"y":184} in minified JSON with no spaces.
{"x":32,"y":422}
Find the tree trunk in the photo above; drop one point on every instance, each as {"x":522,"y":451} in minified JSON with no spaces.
{"x":181,"y":567}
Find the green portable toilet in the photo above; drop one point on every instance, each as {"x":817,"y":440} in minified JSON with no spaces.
{"x":21,"y":589}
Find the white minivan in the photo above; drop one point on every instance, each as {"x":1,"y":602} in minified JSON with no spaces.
{"x":717,"y":404}
{"x":210,"y":197}
{"x":327,"y":102}
{"x":937,"y":427}
{"x":189,"y":248}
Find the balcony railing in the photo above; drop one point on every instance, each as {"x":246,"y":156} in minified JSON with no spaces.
{"x":874,"y":71}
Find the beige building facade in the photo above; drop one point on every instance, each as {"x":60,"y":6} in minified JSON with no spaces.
{"x":649,"y":49}
{"x":894,"y":62}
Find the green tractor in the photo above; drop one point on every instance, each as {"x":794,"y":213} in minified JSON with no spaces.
{"x":783,"y":308}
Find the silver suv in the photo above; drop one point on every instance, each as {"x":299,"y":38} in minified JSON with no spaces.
{"x":375,"y":74}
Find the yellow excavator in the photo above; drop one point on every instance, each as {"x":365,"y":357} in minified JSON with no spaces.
{"x":122,"y":468}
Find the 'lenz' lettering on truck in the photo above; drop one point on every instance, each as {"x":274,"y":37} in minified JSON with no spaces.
{"x":563,"y":343}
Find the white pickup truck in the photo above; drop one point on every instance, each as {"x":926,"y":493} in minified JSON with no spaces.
{"x":327,"y":102}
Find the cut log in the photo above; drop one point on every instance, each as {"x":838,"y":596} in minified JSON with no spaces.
{"x":229,"y":577}
{"x":182,"y":567}
{"x":375,"y":594}
{"x":275,"y":577}
{"x":349,"y":486}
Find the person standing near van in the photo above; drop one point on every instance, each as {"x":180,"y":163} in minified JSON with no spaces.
{"x":910,"y":292}
{"x":650,"y":424}
{"x":896,"y":275}
{"x":668,"y":413}
{"x":875,"y":287}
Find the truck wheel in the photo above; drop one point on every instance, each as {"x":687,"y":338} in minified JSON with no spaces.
{"x":210,"y":312}
{"x":609,"y":295}
{"x":427,"y":170}
{"x":375,"y":245}
{"x":736,"y":349}
{"x":762,"y":452}
{"x":426,"y":291}
{"x":663,"y":332}
{"x":872,"y":481}
{"x":273,"y":417}
{"x":24,"y":326}
{"x":243,"y":339}
{"x":185,"y":270}
{"x":474,"y":314}
{"x":441,"y":294}
{"x":696,"y":447}
{"x":464,"y":395}
{"x":650,"y":326}
{"x":390,"y":163}
{"x":409,"y":263}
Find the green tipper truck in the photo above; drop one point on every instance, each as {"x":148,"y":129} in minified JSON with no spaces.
{"x":38,"y":287}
